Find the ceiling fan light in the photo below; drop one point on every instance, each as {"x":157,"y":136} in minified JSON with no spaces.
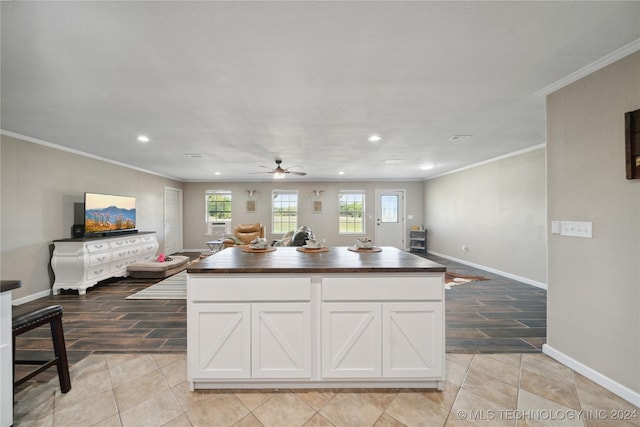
{"x":278,"y":175}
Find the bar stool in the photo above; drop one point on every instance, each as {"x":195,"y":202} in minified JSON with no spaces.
{"x":25,"y":319}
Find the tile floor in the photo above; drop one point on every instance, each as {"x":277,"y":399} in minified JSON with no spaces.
{"x":150,"y":389}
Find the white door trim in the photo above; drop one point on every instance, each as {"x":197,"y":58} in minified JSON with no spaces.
{"x":378,"y":192}
{"x":177,"y":225}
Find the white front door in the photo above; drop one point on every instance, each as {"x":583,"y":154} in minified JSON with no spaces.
{"x":390,"y":225}
{"x":172,"y":220}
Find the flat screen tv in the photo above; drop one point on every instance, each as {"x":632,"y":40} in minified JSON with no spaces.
{"x":108,"y":213}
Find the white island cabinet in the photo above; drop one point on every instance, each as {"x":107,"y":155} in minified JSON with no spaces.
{"x":6,"y":352}
{"x":81,"y":263}
{"x":292,"y":319}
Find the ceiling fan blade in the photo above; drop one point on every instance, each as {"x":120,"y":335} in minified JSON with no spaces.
{"x":253,"y":173}
{"x":297,"y":173}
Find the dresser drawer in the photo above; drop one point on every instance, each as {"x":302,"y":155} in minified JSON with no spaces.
{"x":116,"y":244}
{"x":97,"y":271}
{"x":97,"y":247}
{"x":98,"y":259}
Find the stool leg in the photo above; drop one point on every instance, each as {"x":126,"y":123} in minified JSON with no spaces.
{"x":57,"y":335}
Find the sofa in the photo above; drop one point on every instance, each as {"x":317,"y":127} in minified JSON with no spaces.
{"x":295,"y":238}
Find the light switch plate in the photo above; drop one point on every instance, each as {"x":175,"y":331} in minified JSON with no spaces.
{"x":577,"y":229}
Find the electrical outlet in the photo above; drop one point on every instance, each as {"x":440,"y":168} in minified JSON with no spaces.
{"x":577,"y":229}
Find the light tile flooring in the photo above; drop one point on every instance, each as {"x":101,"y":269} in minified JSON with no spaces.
{"x":527,"y":389}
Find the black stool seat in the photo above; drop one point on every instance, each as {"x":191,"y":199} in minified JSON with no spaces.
{"x":26,"y":318}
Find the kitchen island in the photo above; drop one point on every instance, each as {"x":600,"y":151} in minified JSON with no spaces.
{"x":292,"y":319}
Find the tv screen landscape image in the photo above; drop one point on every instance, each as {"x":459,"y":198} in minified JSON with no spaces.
{"x":105,"y":213}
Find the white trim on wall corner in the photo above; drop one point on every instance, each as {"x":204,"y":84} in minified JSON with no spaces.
{"x":493,"y":270}
{"x":614,"y":387}
{"x":33,"y":297}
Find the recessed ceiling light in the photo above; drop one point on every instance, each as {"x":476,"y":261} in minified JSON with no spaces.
{"x":143,"y":138}
{"x":459,"y":137}
{"x":375,"y":138}
{"x":341,"y":173}
{"x":426,"y":166}
{"x":216,"y":173}
{"x":194,"y":155}
{"x":393,"y":161}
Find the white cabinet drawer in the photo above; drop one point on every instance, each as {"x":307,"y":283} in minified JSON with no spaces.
{"x":124,"y":243}
{"x":203,"y":287}
{"x":95,"y":272}
{"x":98,"y":259}
{"x":97,"y":247}
{"x":376,"y":288}
{"x":149,"y":248}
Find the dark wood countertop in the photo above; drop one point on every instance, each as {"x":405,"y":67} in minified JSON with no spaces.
{"x":336,"y":260}
{"x":9,"y":285}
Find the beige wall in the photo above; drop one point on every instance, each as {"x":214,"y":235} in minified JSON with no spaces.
{"x":39,"y":188}
{"x":497,"y":210}
{"x":324,"y":225}
{"x":594,"y":284}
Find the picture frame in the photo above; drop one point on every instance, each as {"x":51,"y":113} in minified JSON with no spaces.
{"x":251,"y":206}
{"x":316,"y":206}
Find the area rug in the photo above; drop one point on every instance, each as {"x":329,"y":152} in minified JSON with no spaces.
{"x":452,"y":279}
{"x":174,"y":287}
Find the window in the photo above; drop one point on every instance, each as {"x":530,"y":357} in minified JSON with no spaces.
{"x":284,"y":211}
{"x":218,"y":206}
{"x":351,"y":215}
{"x":389,"y":203}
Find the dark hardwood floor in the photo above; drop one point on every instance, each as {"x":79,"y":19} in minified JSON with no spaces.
{"x":499,"y":315}
{"x":496,"y":315}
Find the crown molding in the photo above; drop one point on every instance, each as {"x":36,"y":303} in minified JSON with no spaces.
{"x":79,"y":153}
{"x":609,"y":59}
{"x":494,"y":159}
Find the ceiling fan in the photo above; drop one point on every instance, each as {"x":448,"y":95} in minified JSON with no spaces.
{"x":279,"y":172}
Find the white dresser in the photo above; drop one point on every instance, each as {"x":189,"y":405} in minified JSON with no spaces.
{"x":81,"y":263}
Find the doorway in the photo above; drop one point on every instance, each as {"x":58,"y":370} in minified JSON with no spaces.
{"x":390,"y":223}
{"x":172,"y":220}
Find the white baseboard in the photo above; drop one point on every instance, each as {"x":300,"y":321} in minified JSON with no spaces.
{"x":614,"y":387}
{"x":196,"y":250}
{"x":32,"y":297}
{"x":493,"y":270}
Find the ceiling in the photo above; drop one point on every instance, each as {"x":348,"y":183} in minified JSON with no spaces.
{"x":244,"y":83}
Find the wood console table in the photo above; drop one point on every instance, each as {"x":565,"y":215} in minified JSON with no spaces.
{"x":81,"y":263}
{"x":310,"y":320}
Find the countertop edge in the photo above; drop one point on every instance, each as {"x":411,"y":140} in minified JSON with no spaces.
{"x":9,"y":285}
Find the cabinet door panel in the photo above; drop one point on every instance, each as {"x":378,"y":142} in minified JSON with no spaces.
{"x":412,"y":336}
{"x":223,"y":335}
{"x":281,"y":340}
{"x":351,"y":340}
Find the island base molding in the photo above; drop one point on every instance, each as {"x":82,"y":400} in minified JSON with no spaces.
{"x":239,"y":385}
